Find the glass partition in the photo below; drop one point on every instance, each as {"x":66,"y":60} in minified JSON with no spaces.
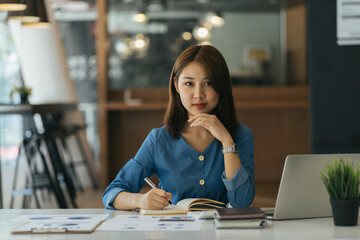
{"x":146,"y":37}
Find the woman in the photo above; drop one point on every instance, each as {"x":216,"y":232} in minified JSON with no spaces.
{"x":201,"y":152}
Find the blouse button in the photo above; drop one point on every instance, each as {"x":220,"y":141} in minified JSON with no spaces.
{"x":202,"y":182}
{"x":201,"y":157}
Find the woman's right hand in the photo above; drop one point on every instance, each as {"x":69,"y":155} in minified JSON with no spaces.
{"x":155,"y":199}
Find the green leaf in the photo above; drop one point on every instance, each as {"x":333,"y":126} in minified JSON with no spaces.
{"x":342,"y":179}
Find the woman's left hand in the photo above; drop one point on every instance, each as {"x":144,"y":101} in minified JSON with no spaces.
{"x":213,"y":125}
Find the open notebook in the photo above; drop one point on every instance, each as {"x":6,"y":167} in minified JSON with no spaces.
{"x":186,"y":205}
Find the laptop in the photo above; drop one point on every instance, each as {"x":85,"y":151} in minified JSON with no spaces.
{"x":302,"y":193}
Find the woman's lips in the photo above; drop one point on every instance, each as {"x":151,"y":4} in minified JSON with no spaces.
{"x":200,"y":105}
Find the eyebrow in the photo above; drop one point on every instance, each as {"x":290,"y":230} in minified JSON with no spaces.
{"x":191,"y":78}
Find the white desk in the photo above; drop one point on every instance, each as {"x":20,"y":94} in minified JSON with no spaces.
{"x":321,"y":228}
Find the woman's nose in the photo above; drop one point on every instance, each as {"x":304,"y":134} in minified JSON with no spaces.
{"x":199,"y":92}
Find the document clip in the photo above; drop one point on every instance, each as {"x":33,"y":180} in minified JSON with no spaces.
{"x":48,"y":230}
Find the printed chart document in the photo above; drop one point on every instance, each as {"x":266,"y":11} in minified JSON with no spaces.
{"x":151,"y":223}
{"x":58,"y":227}
{"x":59,"y":217}
{"x":58,"y":223}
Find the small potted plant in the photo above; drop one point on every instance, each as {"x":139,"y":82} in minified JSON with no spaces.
{"x":24,"y":93}
{"x":341,"y":180}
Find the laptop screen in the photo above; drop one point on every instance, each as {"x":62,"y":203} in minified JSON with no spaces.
{"x":302,"y":193}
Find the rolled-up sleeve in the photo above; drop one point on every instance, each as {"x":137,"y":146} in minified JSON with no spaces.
{"x":241,"y":188}
{"x":131,"y":177}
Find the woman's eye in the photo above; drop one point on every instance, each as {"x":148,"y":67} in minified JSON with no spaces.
{"x":188,"y":83}
{"x":207,"y":84}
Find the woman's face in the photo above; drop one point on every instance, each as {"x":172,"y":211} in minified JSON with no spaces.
{"x":196,"y":93}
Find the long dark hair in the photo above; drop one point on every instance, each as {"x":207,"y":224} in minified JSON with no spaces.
{"x":176,"y":115}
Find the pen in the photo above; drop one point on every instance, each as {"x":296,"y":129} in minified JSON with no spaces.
{"x":152,"y":185}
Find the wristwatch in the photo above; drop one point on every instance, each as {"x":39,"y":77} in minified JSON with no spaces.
{"x":233,"y":148}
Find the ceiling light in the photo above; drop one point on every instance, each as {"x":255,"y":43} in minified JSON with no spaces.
{"x":42,"y":25}
{"x":12,"y":7}
{"x":25,"y":19}
{"x":140,"y":17}
{"x":121,"y":46}
{"x":201,"y":33}
{"x":139,"y":43}
{"x":140,"y":36}
{"x":186,"y":36}
{"x":215,"y":19}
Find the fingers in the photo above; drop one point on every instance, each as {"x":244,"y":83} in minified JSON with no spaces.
{"x":199,"y":115}
{"x":169,"y":196}
{"x":212,"y":124}
{"x":157,"y":199}
{"x":204,"y":120}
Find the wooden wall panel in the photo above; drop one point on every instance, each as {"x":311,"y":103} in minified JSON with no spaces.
{"x":127,"y":132}
{"x":101,"y":53}
{"x":296,"y":42}
{"x":277,"y":133}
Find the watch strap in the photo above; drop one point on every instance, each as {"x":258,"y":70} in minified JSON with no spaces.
{"x":233,"y":148}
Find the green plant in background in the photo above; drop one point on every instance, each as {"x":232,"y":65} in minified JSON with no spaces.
{"x":23,"y":91}
{"x":341,"y":179}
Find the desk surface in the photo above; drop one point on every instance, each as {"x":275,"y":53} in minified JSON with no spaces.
{"x":320,"y":228}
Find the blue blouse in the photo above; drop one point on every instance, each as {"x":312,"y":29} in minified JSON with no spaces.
{"x":187,"y":173}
